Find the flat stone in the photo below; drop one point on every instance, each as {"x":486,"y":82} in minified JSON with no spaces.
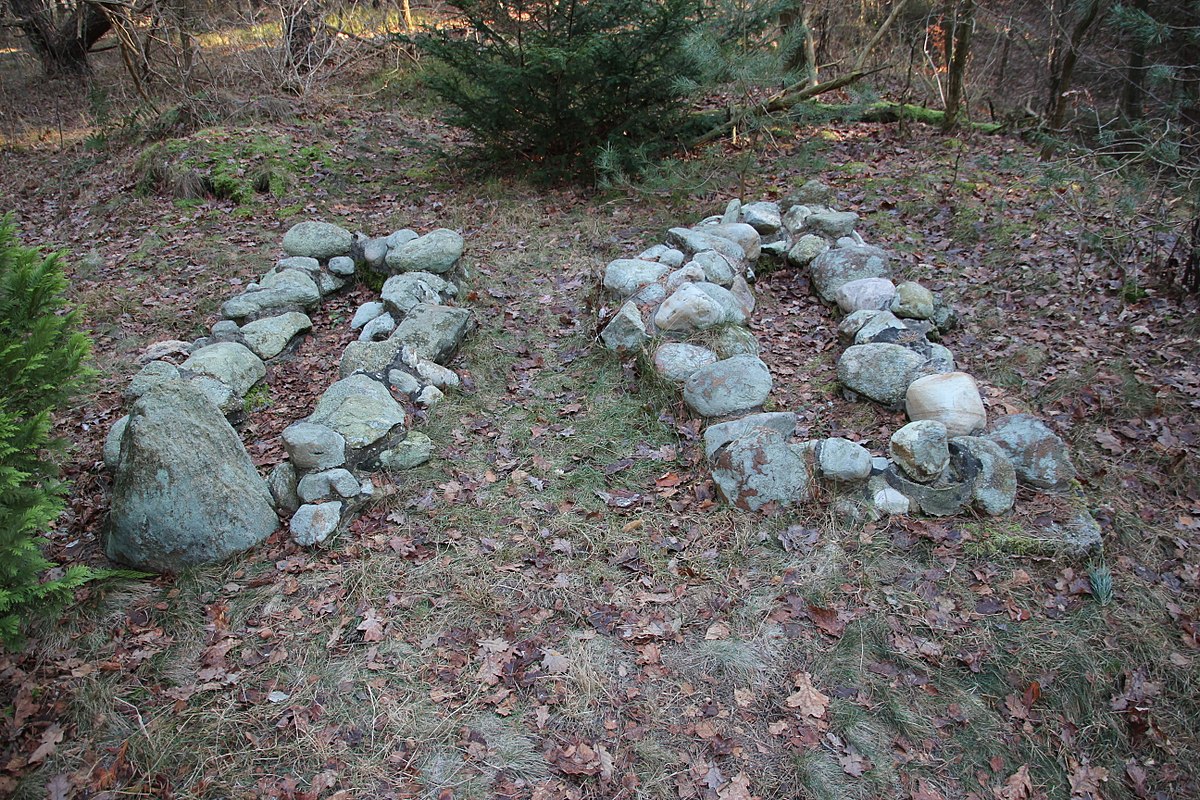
{"x":812,"y":192}
{"x":360,"y":408}
{"x":414,"y":450}
{"x":881,"y":372}
{"x":760,"y":468}
{"x":675,"y":361}
{"x":268,"y":336}
{"x":289,"y":290}
{"x":378,"y":329}
{"x":741,"y":234}
{"x":311,"y":447}
{"x":735,"y":384}
{"x":717,"y":436}
{"x":625,"y":276}
{"x":1039,"y":456}
{"x":833,"y":224}
{"x":230,"y":363}
{"x":319,"y":240}
{"x":314,"y":522}
{"x":691,"y":241}
{"x":889,"y":501}
{"x":626,"y":332}
{"x":437,"y":252}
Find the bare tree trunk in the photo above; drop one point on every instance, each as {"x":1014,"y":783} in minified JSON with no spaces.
{"x":1066,"y":54}
{"x":796,"y":20}
{"x":959,"y":40}
{"x":1133,"y":96}
{"x":62,"y":46}
{"x":300,"y":18}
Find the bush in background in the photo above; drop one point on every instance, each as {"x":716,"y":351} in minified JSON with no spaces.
{"x":41,"y":369}
{"x":557,"y":83}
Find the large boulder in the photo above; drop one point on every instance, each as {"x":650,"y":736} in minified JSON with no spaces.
{"x":762,"y":467}
{"x":735,"y":384}
{"x":1039,"y":456}
{"x":833,"y":268}
{"x":881,"y":372}
{"x":951,"y":398}
{"x":437,"y":252}
{"x":233,"y":364}
{"x":360,"y":408}
{"x":185,"y":491}
{"x":319,"y":240}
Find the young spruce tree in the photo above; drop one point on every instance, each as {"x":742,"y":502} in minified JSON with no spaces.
{"x":41,"y":368}
{"x":555,"y":83}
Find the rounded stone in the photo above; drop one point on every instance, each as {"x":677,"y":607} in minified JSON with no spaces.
{"x":921,"y":449}
{"x":437,"y":252}
{"x":319,"y":240}
{"x":734,"y":384}
{"x":675,"y":361}
{"x":843,"y":460}
{"x":881,"y":372}
{"x":951,"y":398}
{"x":312,"y":447}
{"x":314,"y":522}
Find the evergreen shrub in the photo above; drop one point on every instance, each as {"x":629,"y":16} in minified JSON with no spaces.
{"x":41,"y":368}
{"x":555,"y":83}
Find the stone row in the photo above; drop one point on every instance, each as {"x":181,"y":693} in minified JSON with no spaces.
{"x":687,"y":303}
{"x":185,"y":491}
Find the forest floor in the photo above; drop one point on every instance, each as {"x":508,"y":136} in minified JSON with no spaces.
{"x":555,"y":606}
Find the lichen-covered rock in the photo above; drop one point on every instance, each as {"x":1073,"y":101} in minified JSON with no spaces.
{"x":230,"y":363}
{"x":268,"y":336}
{"x":625,"y":276}
{"x":437,"y":252}
{"x":691,"y":241}
{"x":764,"y":217}
{"x":807,"y":248}
{"x":996,"y":483}
{"x":319,"y":240}
{"x":832,"y":269}
{"x":367,"y":312}
{"x":360,"y":408}
{"x":761,"y":468}
{"x":402,"y":293}
{"x":921,"y":449}
{"x":913,"y":300}
{"x":290,"y":290}
{"x":717,"y":436}
{"x":833,"y":224}
{"x":149,"y":376}
{"x":735,"y":384}
{"x":735,"y":307}
{"x":112,"y":442}
{"x":717,"y":268}
{"x":675,"y":361}
{"x":881,"y":372}
{"x":414,"y":450}
{"x":434,"y":331}
{"x":331,"y":483}
{"x":741,"y":234}
{"x":625,"y":332}
{"x":688,"y":273}
{"x":185,"y":491}
{"x":734,"y":340}
{"x":810,"y":193}
{"x":314,"y":522}
{"x":843,"y":461}
{"x":312,"y":447}
{"x":342,"y":266}
{"x":378,"y":329}
{"x":1038,"y":454}
{"x":282,"y":484}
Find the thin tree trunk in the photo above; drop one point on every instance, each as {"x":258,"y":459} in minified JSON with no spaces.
{"x":1135,"y":77}
{"x":964,"y":24}
{"x":796,"y":19}
{"x":1061,"y":79}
